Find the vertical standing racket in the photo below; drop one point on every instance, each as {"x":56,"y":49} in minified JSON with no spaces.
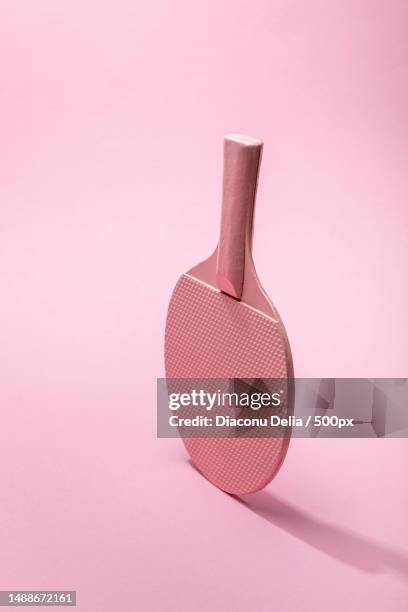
{"x":221,"y":324}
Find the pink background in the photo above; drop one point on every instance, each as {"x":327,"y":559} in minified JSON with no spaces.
{"x":111,"y":125}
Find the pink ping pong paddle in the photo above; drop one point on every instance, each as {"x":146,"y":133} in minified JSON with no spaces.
{"x":221,"y":324}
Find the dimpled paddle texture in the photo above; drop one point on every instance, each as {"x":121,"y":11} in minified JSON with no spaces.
{"x":211,"y":335}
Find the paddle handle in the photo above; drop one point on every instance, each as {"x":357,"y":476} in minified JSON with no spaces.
{"x":242,"y":156}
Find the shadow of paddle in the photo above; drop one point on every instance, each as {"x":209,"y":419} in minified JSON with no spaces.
{"x":337,"y":542}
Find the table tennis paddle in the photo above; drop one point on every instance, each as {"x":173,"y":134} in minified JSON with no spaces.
{"x":221,"y":324}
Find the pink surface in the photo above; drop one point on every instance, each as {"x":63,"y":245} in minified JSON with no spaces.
{"x":112,"y":118}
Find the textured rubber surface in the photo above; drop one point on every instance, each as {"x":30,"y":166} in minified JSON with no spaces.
{"x":211,"y":335}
